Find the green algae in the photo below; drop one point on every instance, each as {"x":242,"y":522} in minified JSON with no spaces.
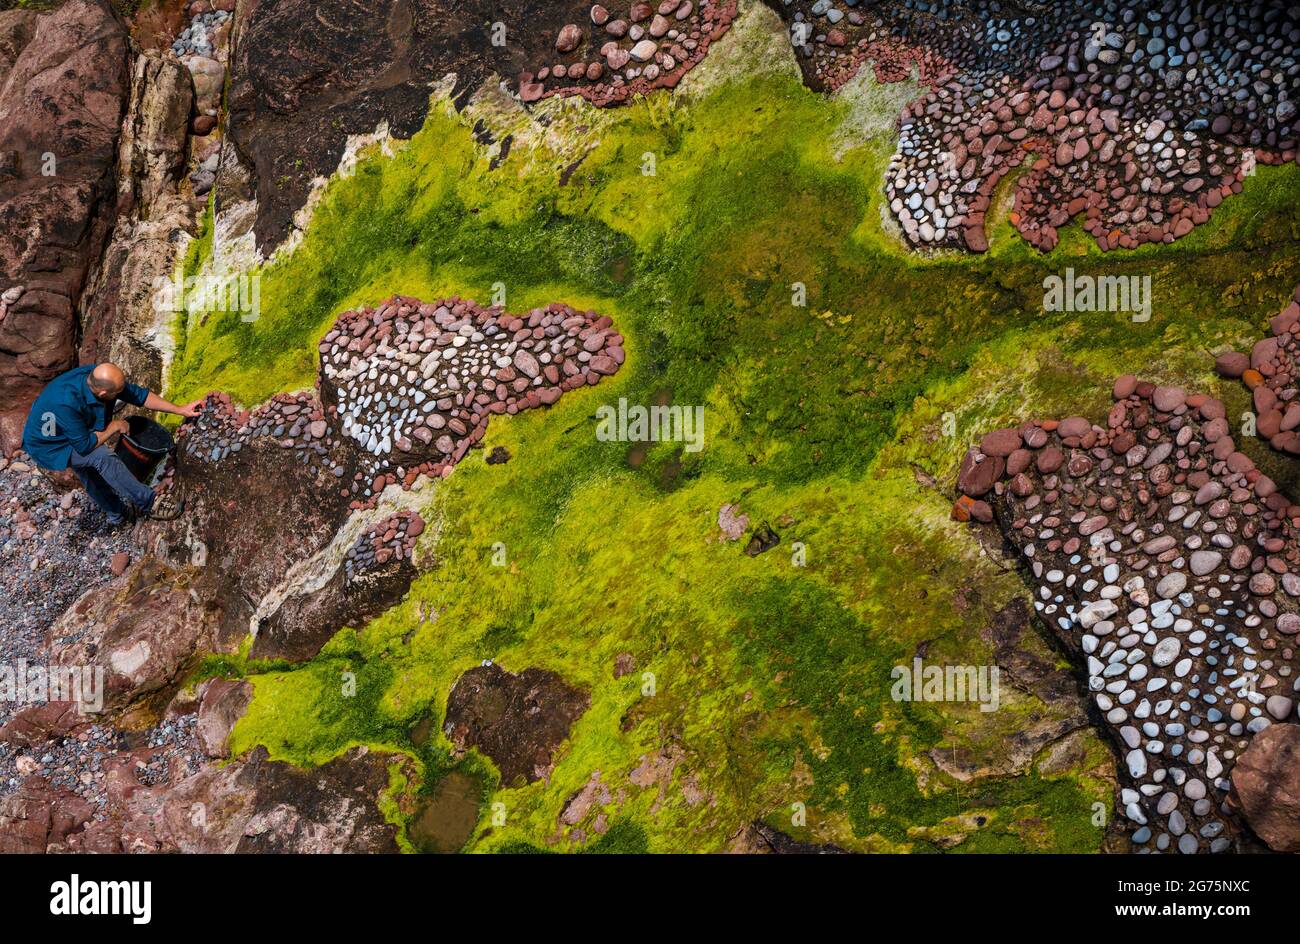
{"x":760,"y":684}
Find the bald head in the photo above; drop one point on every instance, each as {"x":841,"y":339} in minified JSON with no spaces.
{"x":107,"y":380}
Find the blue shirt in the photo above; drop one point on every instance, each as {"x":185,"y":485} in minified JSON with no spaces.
{"x":67,"y":415}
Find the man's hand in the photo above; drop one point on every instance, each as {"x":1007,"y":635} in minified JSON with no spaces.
{"x":157,"y":403}
{"x":111,"y":430}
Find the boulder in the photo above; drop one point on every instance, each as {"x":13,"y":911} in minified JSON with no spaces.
{"x":252,"y":804}
{"x":222,"y":702}
{"x":1266,"y":786}
{"x":39,"y":815}
{"x":141,"y":628}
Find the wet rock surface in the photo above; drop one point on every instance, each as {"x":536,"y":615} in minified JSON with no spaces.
{"x":1139,"y":119}
{"x":518,"y":721}
{"x":1163,"y":560}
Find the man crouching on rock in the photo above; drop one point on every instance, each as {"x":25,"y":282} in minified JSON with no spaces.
{"x":71,"y":421}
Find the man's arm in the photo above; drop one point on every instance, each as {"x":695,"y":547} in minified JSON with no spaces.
{"x":101,"y":436}
{"x":85,"y":440}
{"x":158,"y":404}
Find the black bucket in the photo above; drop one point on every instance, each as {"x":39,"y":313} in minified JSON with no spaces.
{"x":145,"y":444}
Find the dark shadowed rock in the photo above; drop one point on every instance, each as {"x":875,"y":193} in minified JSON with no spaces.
{"x":307,"y":620}
{"x":311,"y":72}
{"x":762,"y":540}
{"x":762,"y":839}
{"x":516,"y":720}
{"x":1029,"y":669}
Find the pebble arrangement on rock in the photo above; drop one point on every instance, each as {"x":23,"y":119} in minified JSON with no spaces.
{"x":1269,"y":371}
{"x":392,"y":539}
{"x":407,"y":389}
{"x":1167,"y":562}
{"x":293,"y":421}
{"x":1141,"y":117}
{"x":413,"y":384}
{"x":620,"y":54}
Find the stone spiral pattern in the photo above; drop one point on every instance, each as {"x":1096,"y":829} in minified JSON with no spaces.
{"x":1141,"y":117}
{"x":1165,"y":561}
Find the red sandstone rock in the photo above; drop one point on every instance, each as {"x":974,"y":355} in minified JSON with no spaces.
{"x":66,"y":87}
{"x":1266,"y":785}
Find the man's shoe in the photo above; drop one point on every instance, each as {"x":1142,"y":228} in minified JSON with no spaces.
{"x":166,"y":508}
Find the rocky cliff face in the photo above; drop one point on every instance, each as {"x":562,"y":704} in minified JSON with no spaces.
{"x":120,"y":321}
{"x":64,"y":81}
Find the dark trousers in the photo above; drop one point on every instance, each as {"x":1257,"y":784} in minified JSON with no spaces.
{"x":111,"y":485}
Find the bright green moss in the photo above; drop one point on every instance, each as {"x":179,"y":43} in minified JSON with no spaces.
{"x":770,"y":680}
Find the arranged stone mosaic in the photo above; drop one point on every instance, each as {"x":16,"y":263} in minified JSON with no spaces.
{"x":392,"y":539}
{"x":406,"y":389}
{"x":620,"y":53}
{"x":413,"y":384}
{"x":1139,"y":118}
{"x":294,"y":421}
{"x":1167,"y":563}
